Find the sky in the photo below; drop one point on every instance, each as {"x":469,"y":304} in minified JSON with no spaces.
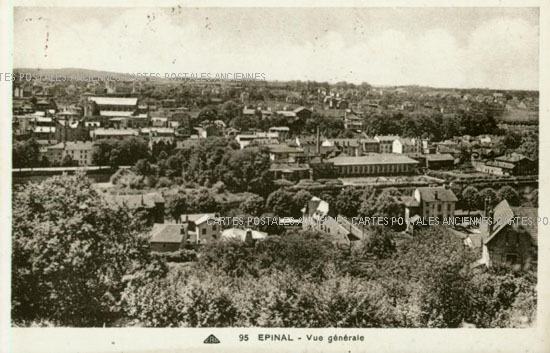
{"x":494,"y":48}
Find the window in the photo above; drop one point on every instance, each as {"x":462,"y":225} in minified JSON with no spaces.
{"x":203,"y":231}
{"x":512,"y":259}
{"x":439,"y":208}
{"x":214,"y":227}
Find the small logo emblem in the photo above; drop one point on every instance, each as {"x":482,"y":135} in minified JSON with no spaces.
{"x":211,"y":339}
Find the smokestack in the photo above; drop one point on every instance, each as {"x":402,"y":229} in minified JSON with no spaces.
{"x":318,"y":141}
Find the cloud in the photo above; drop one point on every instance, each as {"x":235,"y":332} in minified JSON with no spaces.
{"x":498,"y":53}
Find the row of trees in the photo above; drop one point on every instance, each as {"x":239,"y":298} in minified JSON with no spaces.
{"x":435,"y":126}
{"x":473,"y":199}
{"x":349,"y":202}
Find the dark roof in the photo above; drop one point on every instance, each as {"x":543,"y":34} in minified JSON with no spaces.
{"x":386,"y":137}
{"x":288,"y":167}
{"x":511,"y":158}
{"x":373,"y":158}
{"x":528,"y":213}
{"x":429,"y":194}
{"x":299,"y":109}
{"x":439,"y":157}
{"x":284,"y":149}
{"x":503,"y":215}
{"x":345,"y":142}
{"x":410,"y":201}
{"x":368,"y":140}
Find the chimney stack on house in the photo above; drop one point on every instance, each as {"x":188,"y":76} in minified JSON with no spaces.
{"x":489,"y":213}
{"x":248,"y":237}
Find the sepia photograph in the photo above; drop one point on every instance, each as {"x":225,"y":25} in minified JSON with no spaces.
{"x":274,"y":167}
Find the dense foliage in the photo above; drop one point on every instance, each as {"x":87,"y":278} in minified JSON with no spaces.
{"x":302,"y":280}
{"x":211,"y":161}
{"x":80,"y":262}
{"x":72,"y":254}
{"x":125,"y":152}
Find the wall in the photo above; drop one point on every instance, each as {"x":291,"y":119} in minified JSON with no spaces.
{"x":498,"y":248}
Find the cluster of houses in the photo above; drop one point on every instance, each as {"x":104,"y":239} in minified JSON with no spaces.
{"x":73,"y":130}
{"x":300,"y":157}
{"x":487,"y":156}
{"x":197,"y":229}
{"x":507,"y":165}
{"x":509,"y":238}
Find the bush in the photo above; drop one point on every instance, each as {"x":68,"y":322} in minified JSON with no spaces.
{"x":283,"y":183}
{"x":219,"y":187}
{"x":184,"y":255}
{"x":164,"y":182}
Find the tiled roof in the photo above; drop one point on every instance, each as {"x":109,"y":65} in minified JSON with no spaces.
{"x":345,"y":142}
{"x":167,"y":233}
{"x":113,"y":132}
{"x":285,"y":167}
{"x":161,"y":130}
{"x":240,"y":234}
{"x":503,"y":215}
{"x":79,"y":145}
{"x":112,"y":113}
{"x":113,"y":100}
{"x":279,"y":128}
{"x":511,"y":158}
{"x":287,"y":114}
{"x":386,"y":138}
{"x":429,"y":194}
{"x":284,"y":149}
{"x":439,"y":157}
{"x":368,"y":140}
{"x":373,"y":158}
{"x":299,"y":109}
